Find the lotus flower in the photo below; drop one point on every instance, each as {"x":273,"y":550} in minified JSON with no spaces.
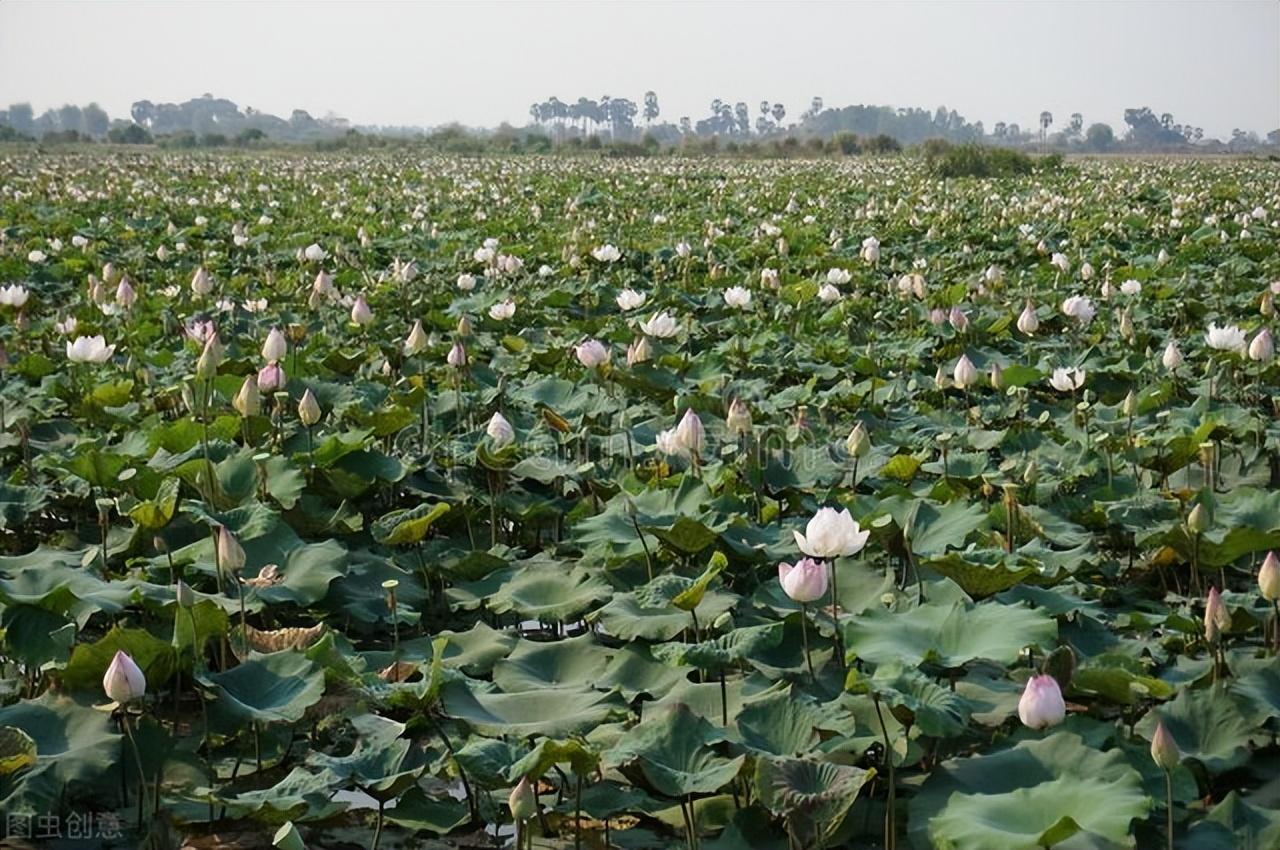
{"x":360,"y":312}
{"x":201,"y":282}
{"x":591,"y":353}
{"x":965,"y":373}
{"x":89,"y":349}
{"x":1041,"y":705}
{"x":271,"y":378}
{"x":14,"y":295}
{"x":1172,"y":357}
{"x":1131,"y":287}
{"x":1067,"y":380}
{"x":502,"y":310}
{"x":690,"y":433}
{"x":1225,"y":338}
{"x":828,"y":293}
{"x":639,"y":351}
{"x":500,"y":430}
{"x":1062,"y":264}
{"x":1028,"y":321}
{"x":457,"y":356}
{"x":606,"y":254}
{"x":958,"y":319}
{"x":805,"y":582}
{"x":871,"y":249}
{"x":831,"y":534}
{"x":522,"y":802}
{"x":660,"y":326}
{"x":309,"y":409}
{"x":669,"y":444}
{"x":737,"y":297}
{"x":1269,"y":577}
{"x":248,"y":401}
{"x":315,"y":253}
{"x":1263,"y":347}
{"x":1164,"y":750}
{"x":838,"y":276}
{"x":738,"y":419}
{"x":629,"y":299}
{"x":37,"y":256}
{"x":1080,"y":308}
{"x":466,"y":282}
{"x":230,"y":553}
{"x":1216,"y":616}
{"x":858,"y":443}
{"x":275,"y":347}
{"x":124,"y":682}
{"x":769,"y":278}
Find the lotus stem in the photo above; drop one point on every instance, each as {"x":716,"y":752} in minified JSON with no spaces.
{"x":890,"y":824}
{"x":804,"y":636}
{"x":1168,"y":808}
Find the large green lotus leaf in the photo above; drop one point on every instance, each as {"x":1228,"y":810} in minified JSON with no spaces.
{"x":779,"y":724}
{"x":723,"y":651}
{"x":1258,"y":694}
{"x":550,"y":593}
{"x":574,"y":663}
{"x":476,"y":650}
{"x":1035,"y":795}
{"x":932,"y":528}
{"x":917,"y":700}
{"x":487,"y":761}
{"x":814,"y":796}
{"x":553,"y":713}
{"x":1207,"y":724}
{"x":420,"y":813}
{"x":76,"y":749}
{"x":634,"y":671}
{"x":407,"y":526}
{"x":707,"y":699}
{"x":36,"y":636}
{"x":55,"y":580}
{"x":981,"y":572}
{"x":89,"y":661}
{"x":626,"y":617}
{"x":1234,"y":824}
{"x":18,"y":503}
{"x":673,"y":753}
{"x":581,"y":758}
{"x":382,"y":763}
{"x":1119,"y":678}
{"x":950,"y":634}
{"x":360,"y":593}
{"x":274,"y":688}
{"x":301,"y":795}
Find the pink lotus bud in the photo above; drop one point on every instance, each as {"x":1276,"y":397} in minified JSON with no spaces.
{"x":1041,"y":705}
{"x":805,"y":582}
{"x":124,"y":681}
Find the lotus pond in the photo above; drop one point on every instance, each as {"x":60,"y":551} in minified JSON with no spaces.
{"x":392,"y":502}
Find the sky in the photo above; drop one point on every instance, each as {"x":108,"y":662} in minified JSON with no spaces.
{"x":1212,"y":64}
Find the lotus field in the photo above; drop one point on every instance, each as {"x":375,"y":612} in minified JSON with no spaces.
{"x":378,"y":501}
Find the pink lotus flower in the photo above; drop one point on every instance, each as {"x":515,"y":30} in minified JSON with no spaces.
{"x":805,"y":582}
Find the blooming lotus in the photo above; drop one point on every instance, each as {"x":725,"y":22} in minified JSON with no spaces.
{"x":660,"y":326}
{"x":1131,"y":287}
{"x":124,"y":681}
{"x":1067,"y":379}
{"x":315,"y":253}
{"x":37,"y":256}
{"x":1225,"y":338}
{"x":629,"y":299}
{"x":669,"y":444}
{"x":805,"y":582}
{"x":502,"y":310}
{"x":832,"y":534}
{"x":871,"y":249}
{"x":1041,"y":705}
{"x":606,"y":254}
{"x":828,"y":293}
{"x":89,"y":349}
{"x":1062,"y":264}
{"x":1080,"y":308}
{"x":14,"y":295}
{"x":466,"y":282}
{"x":738,"y":297}
{"x":838,"y":277}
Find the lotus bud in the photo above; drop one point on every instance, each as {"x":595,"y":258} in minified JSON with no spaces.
{"x":185,"y":595}
{"x":124,"y":681}
{"x":500,"y":431}
{"x":1130,"y":405}
{"x":639,"y":351}
{"x":965,"y":373}
{"x":858,"y":443}
{"x":275,"y":348}
{"x":1126,"y":324}
{"x":309,"y":409}
{"x":738,"y":420}
{"x":522,"y":802}
{"x":1041,"y":705}
{"x":125,"y":294}
{"x":1172,"y":357}
{"x":1262,"y":349}
{"x":210,"y":358}
{"x":457,"y":357}
{"x":690,"y":434}
{"x":297,"y":332}
{"x":360,"y":312}
{"x":416,"y":342}
{"x":1198,"y":520}
{"x":464,"y":326}
{"x":109,"y":272}
{"x":1164,"y":750}
{"x":271,"y":378}
{"x":248,"y":402}
{"x":1269,"y":577}
{"x":230,"y":554}
{"x":1216,"y":617}
{"x":201,"y":282}
{"x":996,"y":376}
{"x":805,"y":582}
{"x":1267,"y":306}
{"x":1031,"y":474}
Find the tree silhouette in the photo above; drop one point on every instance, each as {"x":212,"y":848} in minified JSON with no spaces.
{"x":650,"y":107}
{"x":779,"y":112}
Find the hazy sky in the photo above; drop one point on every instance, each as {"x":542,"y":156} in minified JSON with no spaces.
{"x":1212,"y":64}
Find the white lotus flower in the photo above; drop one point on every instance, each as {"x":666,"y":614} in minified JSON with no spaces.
{"x":1028,"y":321}
{"x":416,"y":341}
{"x":591,"y":353}
{"x":606,"y":254}
{"x":838,"y":277}
{"x":1067,"y":379}
{"x":14,"y":295}
{"x":503,"y":310}
{"x":1131,"y":287}
{"x":275,"y":347}
{"x":871,"y":249}
{"x":660,"y":326}
{"x":669,"y":444}
{"x":201,"y":282}
{"x":737,"y":296}
{"x":629,"y":299}
{"x":1172,"y":357}
{"x":315,"y":253}
{"x":769,"y":278}
{"x":690,"y":433}
{"x":1263,"y":347}
{"x":1062,"y":264}
{"x":37,"y":256}
{"x":466,"y":282}
{"x":831,"y":534}
{"x":89,"y":349}
{"x":360,"y":312}
{"x":124,"y":681}
{"x":67,"y":326}
{"x":1041,"y":705}
{"x":1080,"y":308}
{"x":828,"y":293}
{"x":79,"y":241}
{"x":1225,"y":338}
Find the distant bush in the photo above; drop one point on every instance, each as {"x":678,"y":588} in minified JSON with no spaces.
{"x":132,"y":134}
{"x":944,"y":159}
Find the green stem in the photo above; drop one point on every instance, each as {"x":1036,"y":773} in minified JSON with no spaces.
{"x":890,"y":824}
{"x":804,"y":636}
{"x":1168,"y":808}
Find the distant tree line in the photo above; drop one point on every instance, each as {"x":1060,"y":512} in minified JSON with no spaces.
{"x":623,"y":126}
